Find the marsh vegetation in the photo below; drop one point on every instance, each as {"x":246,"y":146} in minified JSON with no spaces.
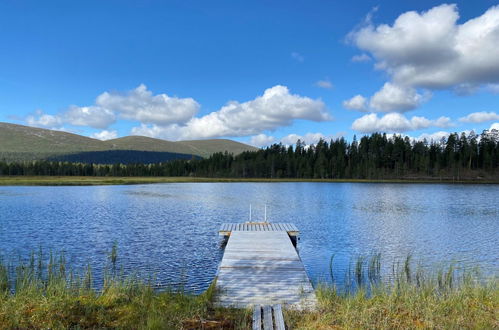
{"x":44,"y":293}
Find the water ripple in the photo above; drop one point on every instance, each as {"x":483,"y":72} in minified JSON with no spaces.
{"x":169,"y":231}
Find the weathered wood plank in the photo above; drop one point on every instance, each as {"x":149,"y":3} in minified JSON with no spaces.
{"x":257,"y":318}
{"x":278,"y":317}
{"x":229,"y":227}
{"x":261,"y":268}
{"x":268,"y":323}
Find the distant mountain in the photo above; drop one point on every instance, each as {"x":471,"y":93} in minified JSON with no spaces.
{"x":18,"y":142}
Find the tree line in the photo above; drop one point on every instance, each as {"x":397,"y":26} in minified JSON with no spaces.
{"x":378,"y":156}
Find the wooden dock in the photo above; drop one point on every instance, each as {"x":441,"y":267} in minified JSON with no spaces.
{"x":227,"y":228}
{"x":260,"y":266}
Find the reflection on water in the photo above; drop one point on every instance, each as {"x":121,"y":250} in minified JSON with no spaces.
{"x":169,"y":231}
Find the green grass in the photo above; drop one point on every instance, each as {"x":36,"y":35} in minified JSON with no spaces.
{"x":445,"y":298}
{"x":469,"y":306}
{"x":109,"y":180}
{"x":48,"y":295}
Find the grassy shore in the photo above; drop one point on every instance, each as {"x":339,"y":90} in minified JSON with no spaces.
{"x":46,"y":295}
{"x":107,"y":180}
{"x":49,"y":296}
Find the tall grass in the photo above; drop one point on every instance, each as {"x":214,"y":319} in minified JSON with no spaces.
{"x":44,"y":293}
{"x":410,"y":297}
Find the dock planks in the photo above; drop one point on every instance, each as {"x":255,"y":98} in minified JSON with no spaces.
{"x":262,"y":267}
{"x":227,"y":228}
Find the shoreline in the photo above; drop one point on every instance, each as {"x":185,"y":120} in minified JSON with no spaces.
{"x":102,"y":181}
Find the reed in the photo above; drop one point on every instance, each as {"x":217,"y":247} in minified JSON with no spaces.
{"x":44,"y":293}
{"x":411,"y":297}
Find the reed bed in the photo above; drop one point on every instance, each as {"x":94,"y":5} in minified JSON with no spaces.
{"x":412,"y":298}
{"x":43,"y":293}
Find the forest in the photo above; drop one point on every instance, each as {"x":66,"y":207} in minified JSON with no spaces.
{"x":374,"y":157}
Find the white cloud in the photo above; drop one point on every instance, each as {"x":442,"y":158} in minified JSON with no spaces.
{"x":174,"y":118}
{"x":324,"y":84}
{"x":358,"y":102}
{"x":277,"y":107}
{"x":105,"y":135}
{"x":435,"y":137}
{"x":138,"y":104}
{"x":261,"y":140}
{"x":40,"y":119}
{"x":396,"y":98}
{"x":390,"y":98}
{"x":309,"y":138}
{"x":430,"y":50}
{"x":494,"y":126}
{"x":361,"y":58}
{"x":141,"y":105}
{"x":95,"y":117}
{"x":92,"y":116}
{"x":297,"y":56}
{"x":479,"y":117}
{"x":396,"y":122}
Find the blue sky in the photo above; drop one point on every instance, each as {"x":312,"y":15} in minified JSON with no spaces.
{"x":254,"y":71}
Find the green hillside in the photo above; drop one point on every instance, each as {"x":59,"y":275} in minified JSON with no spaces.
{"x":202,"y":148}
{"x":205,"y":148}
{"x":18,"y":142}
{"x":145,"y":143}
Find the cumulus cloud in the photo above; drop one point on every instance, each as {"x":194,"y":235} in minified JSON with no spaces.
{"x":138,"y":104}
{"x":431,"y":50}
{"x":141,"y":105}
{"x":93,"y":116}
{"x":297,"y":56}
{"x":309,"y":138}
{"x":396,"y":122}
{"x":432,"y":137}
{"x":494,"y":126}
{"x":479,"y":117}
{"x":358,"y":102}
{"x":40,"y":119}
{"x":324,"y":84}
{"x":396,"y":98}
{"x":361,"y":58}
{"x":388,"y":99}
{"x":174,"y":118}
{"x":261,"y":140}
{"x":277,"y":107}
{"x":105,"y":135}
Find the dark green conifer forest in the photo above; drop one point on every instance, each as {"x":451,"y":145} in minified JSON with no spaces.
{"x":458,"y":157}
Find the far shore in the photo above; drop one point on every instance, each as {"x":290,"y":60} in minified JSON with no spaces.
{"x":109,"y":180}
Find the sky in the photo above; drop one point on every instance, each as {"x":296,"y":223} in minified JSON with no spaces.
{"x":259,"y":72}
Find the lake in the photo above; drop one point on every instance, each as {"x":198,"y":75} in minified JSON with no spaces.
{"x":171,"y":230}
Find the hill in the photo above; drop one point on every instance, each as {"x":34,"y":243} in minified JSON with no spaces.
{"x":202,"y":148}
{"x":18,"y":142}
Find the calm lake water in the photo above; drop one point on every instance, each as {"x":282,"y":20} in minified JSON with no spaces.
{"x":170,"y":230}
